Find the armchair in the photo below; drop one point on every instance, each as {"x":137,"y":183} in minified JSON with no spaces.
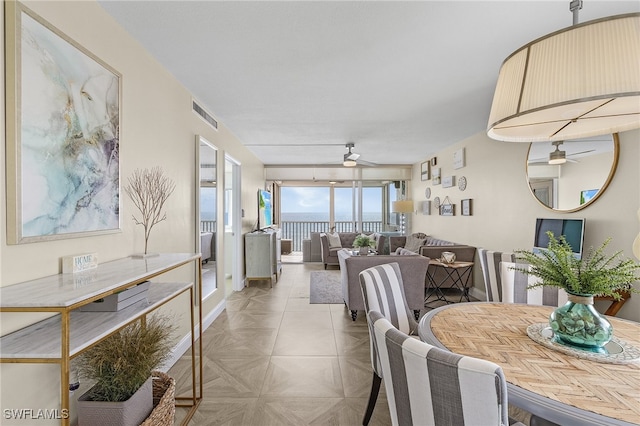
{"x":412,"y":268}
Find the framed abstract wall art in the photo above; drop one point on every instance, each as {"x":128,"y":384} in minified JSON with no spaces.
{"x":63,"y":126}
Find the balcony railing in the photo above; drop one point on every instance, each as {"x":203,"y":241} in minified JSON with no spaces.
{"x":207,"y":226}
{"x":296,"y":231}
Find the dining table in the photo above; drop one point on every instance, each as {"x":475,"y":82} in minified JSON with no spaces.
{"x":562,"y":385}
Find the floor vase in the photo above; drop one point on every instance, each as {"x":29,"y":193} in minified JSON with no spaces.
{"x":577,"y":323}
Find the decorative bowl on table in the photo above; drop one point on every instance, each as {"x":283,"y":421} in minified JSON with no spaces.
{"x":448,"y":257}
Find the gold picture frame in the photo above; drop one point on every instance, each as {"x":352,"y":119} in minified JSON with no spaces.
{"x":62,"y":138}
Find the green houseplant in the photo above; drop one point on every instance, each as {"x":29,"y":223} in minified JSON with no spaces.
{"x":577,"y":323}
{"x":121,"y":367}
{"x":364,"y":242}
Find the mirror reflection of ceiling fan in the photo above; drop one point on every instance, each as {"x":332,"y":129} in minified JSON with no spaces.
{"x":558,"y":156}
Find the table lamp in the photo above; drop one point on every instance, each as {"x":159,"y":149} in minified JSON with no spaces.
{"x":402,"y":207}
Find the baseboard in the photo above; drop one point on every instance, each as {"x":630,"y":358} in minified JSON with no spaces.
{"x":185,"y":343}
{"x":477,"y":293}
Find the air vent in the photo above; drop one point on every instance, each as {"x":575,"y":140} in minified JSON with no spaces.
{"x":205,"y":115}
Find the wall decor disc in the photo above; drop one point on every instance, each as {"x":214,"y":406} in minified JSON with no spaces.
{"x":462,"y":183}
{"x":427,"y":193}
{"x":436,"y":202}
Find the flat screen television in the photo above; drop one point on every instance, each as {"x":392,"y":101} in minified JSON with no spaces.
{"x":265,"y":209}
{"x":572,"y":229}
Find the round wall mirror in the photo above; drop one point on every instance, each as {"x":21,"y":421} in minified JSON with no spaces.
{"x":566,"y":176}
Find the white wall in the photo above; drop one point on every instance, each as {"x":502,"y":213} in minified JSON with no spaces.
{"x":504,"y":211}
{"x":158,"y":128}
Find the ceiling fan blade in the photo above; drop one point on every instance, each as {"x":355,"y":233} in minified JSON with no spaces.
{"x":367,"y":163}
{"x":545,"y":162}
{"x":352,"y":156}
{"x":581,"y":152}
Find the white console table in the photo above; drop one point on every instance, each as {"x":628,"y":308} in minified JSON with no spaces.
{"x":65,"y":335}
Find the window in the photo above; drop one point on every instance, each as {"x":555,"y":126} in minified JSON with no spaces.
{"x":372,"y":208}
{"x":343,"y":216}
{"x":208,"y":209}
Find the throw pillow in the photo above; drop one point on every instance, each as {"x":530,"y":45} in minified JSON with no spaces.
{"x":334,"y":241}
{"x":404,"y":252}
{"x":413,"y":243}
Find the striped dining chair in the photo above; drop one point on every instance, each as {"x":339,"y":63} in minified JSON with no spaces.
{"x":490,"y":264}
{"x":427,"y":385}
{"x":515,"y":287}
{"x":383,"y":291}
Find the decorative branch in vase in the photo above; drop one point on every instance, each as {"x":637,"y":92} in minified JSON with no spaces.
{"x":149,"y":189}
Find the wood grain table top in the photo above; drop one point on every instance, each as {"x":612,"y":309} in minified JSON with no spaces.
{"x":455,"y":265}
{"x":498,"y":332}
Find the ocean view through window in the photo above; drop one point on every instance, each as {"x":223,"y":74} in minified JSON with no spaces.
{"x":320,"y":208}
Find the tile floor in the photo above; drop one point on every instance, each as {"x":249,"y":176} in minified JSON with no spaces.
{"x":271,"y":358}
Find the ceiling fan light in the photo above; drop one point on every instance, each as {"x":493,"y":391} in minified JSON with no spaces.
{"x":576,"y":82}
{"x":557,"y":157}
{"x":349,"y":163}
{"x":554,"y":161}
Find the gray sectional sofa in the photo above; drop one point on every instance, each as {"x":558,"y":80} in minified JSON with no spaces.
{"x":330,"y":254}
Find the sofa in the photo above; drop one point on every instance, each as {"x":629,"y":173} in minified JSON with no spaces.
{"x":207,"y":246}
{"x":329,"y":251}
{"x":413,"y":268}
{"x":433,"y":248}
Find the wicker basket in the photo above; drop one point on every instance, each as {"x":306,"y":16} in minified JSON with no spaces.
{"x":164,"y":402}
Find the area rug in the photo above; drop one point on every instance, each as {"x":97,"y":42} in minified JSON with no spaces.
{"x":325,"y":287}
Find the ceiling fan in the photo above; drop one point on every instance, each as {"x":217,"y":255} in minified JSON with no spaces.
{"x":350,"y":158}
{"x":558,"y":156}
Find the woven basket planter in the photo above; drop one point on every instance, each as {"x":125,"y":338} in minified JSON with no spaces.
{"x":164,"y":402}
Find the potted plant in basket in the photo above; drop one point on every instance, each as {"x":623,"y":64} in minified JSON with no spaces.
{"x":363,"y":242}
{"x":121,"y":367}
{"x":577,"y":323}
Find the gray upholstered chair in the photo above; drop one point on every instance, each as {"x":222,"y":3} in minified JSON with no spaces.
{"x":413,"y":269}
{"x":490,"y":263}
{"x":383,"y":291}
{"x":329,"y":254}
{"x":426,"y":385}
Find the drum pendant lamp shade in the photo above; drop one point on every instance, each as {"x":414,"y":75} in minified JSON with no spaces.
{"x":581,"y":81}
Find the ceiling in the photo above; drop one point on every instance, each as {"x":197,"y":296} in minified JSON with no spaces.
{"x":295,"y":81}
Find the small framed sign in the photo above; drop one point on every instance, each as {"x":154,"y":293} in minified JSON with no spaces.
{"x":426,"y":207}
{"x":435,"y":175}
{"x":466,"y":207}
{"x":448,"y":210}
{"x":424,"y":171}
{"x":448,"y":181}
{"x":458,"y":159}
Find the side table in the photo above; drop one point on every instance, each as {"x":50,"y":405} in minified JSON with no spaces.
{"x":285,"y":246}
{"x":458,"y":272}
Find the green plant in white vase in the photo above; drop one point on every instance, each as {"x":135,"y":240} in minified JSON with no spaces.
{"x":364,"y":242}
{"x":577,"y":323}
